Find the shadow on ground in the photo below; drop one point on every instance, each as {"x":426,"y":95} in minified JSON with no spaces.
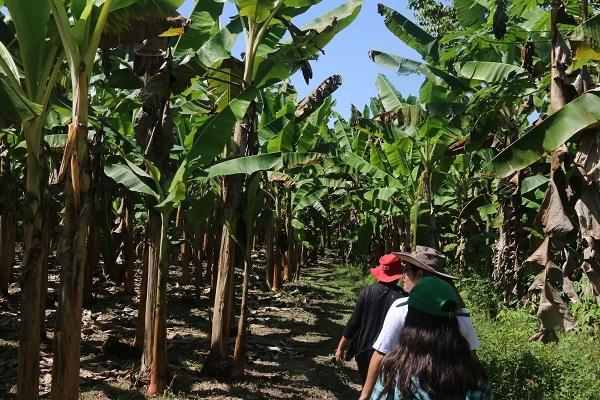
{"x":293,"y":337}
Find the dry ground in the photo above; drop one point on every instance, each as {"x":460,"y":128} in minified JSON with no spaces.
{"x":293,"y":337}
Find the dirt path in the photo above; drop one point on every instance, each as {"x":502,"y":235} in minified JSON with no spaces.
{"x":293,"y":337}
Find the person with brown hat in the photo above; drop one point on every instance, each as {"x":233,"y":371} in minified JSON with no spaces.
{"x":368,"y":316}
{"x":424,"y":261}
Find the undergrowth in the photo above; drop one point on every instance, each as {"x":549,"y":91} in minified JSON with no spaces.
{"x":520,"y":369}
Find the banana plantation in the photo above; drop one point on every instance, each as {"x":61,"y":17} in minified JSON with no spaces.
{"x":167,"y":207}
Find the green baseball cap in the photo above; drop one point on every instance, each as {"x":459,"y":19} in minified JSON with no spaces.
{"x":434,"y":296}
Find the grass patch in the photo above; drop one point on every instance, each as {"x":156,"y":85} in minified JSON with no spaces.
{"x":520,"y":369}
{"x":350,"y":279}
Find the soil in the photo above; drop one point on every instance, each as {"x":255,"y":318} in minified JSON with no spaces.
{"x":293,"y":335}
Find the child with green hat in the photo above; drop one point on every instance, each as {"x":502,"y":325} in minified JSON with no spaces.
{"x":432,"y":360}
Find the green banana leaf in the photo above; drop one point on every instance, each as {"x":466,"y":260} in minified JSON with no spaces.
{"x":402,"y":65}
{"x":255,"y":10}
{"x":325,"y":26}
{"x":405,"y":66}
{"x":31,"y":19}
{"x":487,"y":71}
{"x":123,"y":175}
{"x":390,"y":97}
{"x":470,"y":13}
{"x":279,"y":65}
{"x":8,"y":64}
{"x":309,"y":200}
{"x":578,"y":115}
{"x":415,"y":37}
{"x":205,"y":24}
{"x":263,"y":162}
{"x":209,"y":141}
{"x":15,"y":107}
{"x":365,"y":168}
{"x":218,"y":47}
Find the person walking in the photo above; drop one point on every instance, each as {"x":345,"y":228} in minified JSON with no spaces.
{"x":432,"y":359}
{"x":423,"y":262}
{"x":369,"y":313}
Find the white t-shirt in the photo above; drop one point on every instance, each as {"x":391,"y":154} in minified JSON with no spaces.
{"x":394,"y":322}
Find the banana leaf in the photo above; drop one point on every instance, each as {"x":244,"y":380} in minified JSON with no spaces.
{"x":487,"y":71}
{"x":578,"y":115}
{"x":415,"y":37}
{"x":470,"y":13}
{"x":263,"y":162}
{"x":205,"y":23}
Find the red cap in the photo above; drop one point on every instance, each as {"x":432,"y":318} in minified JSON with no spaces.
{"x":390,"y":268}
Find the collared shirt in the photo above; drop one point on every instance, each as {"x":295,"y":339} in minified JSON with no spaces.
{"x":369,"y":314}
{"x":420,"y":394}
{"x":389,"y":336}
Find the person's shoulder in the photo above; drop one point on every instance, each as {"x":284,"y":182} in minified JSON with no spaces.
{"x":400,"y":303}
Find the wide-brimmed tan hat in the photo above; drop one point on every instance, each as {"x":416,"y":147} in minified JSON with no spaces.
{"x":428,"y":259}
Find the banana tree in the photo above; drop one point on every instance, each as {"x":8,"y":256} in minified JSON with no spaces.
{"x":39,"y":55}
{"x":572,"y":121}
{"x":80,"y":31}
{"x":266,"y":61}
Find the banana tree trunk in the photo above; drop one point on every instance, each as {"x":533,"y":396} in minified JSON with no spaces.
{"x":289,"y":273}
{"x":215,"y":256}
{"x":154,"y":228}
{"x":232,"y":188}
{"x":201,"y":258}
{"x":506,"y":259}
{"x":73,"y":250}
{"x":186,"y":256}
{"x":140,"y":328}
{"x":93,"y":259}
{"x":239,"y":353}
{"x":158,"y":376}
{"x":36,"y":237}
{"x":128,"y":247}
{"x":278,"y":245}
{"x":8,"y":223}
{"x":269,"y":250}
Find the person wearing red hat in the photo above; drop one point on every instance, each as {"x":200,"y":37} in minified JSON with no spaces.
{"x":369,"y":313}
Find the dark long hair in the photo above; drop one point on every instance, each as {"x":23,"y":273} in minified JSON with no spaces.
{"x":432,"y":350}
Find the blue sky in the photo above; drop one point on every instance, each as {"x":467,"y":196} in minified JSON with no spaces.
{"x":346,"y":54}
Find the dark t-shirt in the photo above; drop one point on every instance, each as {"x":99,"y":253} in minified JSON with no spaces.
{"x":367,"y":319}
